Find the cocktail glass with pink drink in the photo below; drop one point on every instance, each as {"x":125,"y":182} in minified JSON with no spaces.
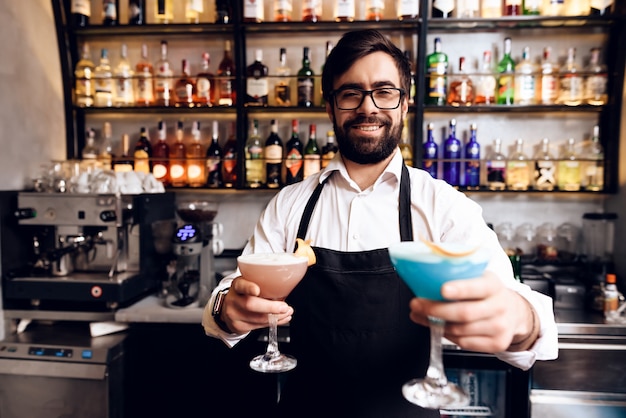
{"x":277,"y":274}
{"x":424,"y":267}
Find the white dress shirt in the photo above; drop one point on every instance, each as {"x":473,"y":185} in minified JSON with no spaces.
{"x":347,"y":218}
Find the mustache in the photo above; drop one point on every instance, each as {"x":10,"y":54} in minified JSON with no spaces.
{"x":366,"y":119}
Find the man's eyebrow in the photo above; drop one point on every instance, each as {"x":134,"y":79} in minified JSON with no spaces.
{"x":375,"y":85}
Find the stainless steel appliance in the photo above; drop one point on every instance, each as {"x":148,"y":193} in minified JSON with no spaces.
{"x":59,"y":371}
{"x":81,"y":251}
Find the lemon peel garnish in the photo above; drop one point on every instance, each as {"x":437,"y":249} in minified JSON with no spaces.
{"x":304,"y":249}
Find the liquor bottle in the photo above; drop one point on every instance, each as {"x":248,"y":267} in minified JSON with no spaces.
{"x":178,"y":156}
{"x":205,"y":83}
{"x":226,"y":74}
{"x":548,"y":86}
{"x":253,"y":11}
{"x":452,"y":157}
{"x":185,"y":91}
{"x":229,"y":163}
{"x":223,"y":11}
{"x":90,"y":151}
{"x":525,"y":80}
{"x":125,"y":163}
{"x":312,"y":153}
{"x":491,"y":9}
{"x":144,"y":75}
{"x":124,"y":92}
{"x":196,"y":176}
{"x":495,"y":167}
{"x":413,"y":88}
{"x":569,"y":169}
{"x":513,"y":8}
{"x":467,"y":9}
{"x":311,"y":10}
{"x":472,"y":161}
{"x":518,"y":168}
{"x":103,"y":78}
{"x":160,"y":155}
{"x":430,"y":153}
{"x":544,"y":178}
{"x":553,"y":8}
{"x":571,"y":82}
{"x":254,"y":158}
{"x":293,"y":156}
{"x":442,"y":8}
{"x":273,"y":154}
{"x":110,"y":10}
{"x":164,"y":12}
{"x":532,"y":7}
{"x":436,"y":79}
{"x":593,"y":170}
{"x":282,"y":89}
{"x":374,"y":10}
{"x":601,"y":7}
{"x":283,"y":10}
{"x":193,"y":10}
{"x":505,"y":92}
{"x":214,"y":160}
{"x":143,"y":153}
{"x":406,"y":149}
{"x":306,"y":81}
{"x":137,"y":12}
{"x":257,"y":82}
{"x":407,"y":9}
{"x":595,"y":80}
{"x":329,"y":149}
{"x":106,"y":149}
{"x":164,"y":84}
{"x":461,"y":90}
{"x":84,"y":89}
{"x":344,"y":10}
{"x":486,"y":82}
{"x":577,"y":8}
{"x":81,"y":12}
{"x":611,"y":298}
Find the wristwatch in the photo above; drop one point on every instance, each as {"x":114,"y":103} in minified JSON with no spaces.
{"x":217,"y":310}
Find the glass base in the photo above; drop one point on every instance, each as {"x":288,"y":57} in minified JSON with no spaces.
{"x":266,"y":363}
{"x":429,"y":394}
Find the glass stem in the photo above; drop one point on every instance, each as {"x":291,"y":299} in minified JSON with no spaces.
{"x":435,"y":372}
{"x":272,"y":344}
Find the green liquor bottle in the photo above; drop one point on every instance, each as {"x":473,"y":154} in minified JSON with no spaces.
{"x":505,"y":91}
{"x":436,"y":78}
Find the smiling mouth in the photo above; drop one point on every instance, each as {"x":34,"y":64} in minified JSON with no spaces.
{"x":368,"y":128}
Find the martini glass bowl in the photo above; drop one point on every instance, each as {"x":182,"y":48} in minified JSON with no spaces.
{"x":424,"y":267}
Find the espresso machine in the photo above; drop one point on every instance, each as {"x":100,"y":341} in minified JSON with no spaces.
{"x":194,"y":244}
{"x":85,"y":252}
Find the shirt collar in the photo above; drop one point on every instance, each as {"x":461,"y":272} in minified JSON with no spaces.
{"x":394,"y":168}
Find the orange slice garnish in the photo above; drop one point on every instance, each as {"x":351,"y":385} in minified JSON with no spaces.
{"x":304,"y":249}
{"x":438,"y":249}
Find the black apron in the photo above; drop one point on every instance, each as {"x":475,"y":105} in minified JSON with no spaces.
{"x":351,"y":333}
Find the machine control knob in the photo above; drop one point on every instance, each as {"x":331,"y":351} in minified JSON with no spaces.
{"x":25,"y":213}
{"x":108,"y":216}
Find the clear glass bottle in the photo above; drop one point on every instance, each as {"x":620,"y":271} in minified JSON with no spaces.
{"x":569,"y":168}
{"x":611,"y":298}
{"x":257,"y":81}
{"x":142,"y":154}
{"x":144,"y":76}
{"x":164,"y":79}
{"x":405,"y":144}
{"x":178,"y":158}
{"x":344,"y":10}
{"x":125,"y":163}
{"x":282,"y":88}
{"x":196,"y":174}
{"x":486,"y":82}
{"x":593,"y":170}
{"x":467,"y":9}
{"x":436,"y":76}
{"x":106,"y":155}
{"x":518,"y":168}
{"x":253,"y":11}
{"x":571,"y":82}
{"x":506,"y":76}
{"x":596,"y":79}
{"x":226,"y":74}
{"x":525,"y":80}
{"x":90,"y":150}
{"x":461,"y":89}
{"x":374,"y":10}
{"x":160,"y":155}
{"x":185,"y":90}
{"x":273,"y":155}
{"x":255,"y":173}
{"x":312,"y":153}
{"x":103,"y":77}
{"x":84,"y":89}
{"x":205,"y":83}
{"x":548,"y":80}
{"x":306,"y":81}
{"x":495,"y":167}
{"x":283,"y":10}
{"x":452,"y":156}
{"x":430,"y":153}
{"x":472,"y":160}
{"x":124,"y":92}
{"x":544,"y":176}
{"x":214,"y":159}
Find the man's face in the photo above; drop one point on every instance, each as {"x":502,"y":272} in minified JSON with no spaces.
{"x":368,"y":135}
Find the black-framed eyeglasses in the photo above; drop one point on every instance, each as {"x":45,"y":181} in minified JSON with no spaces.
{"x":384,"y":98}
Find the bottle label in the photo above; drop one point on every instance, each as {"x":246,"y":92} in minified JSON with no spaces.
{"x":282,"y":93}
{"x":82,"y":7}
{"x":253,"y":9}
{"x":284,"y":6}
{"x":545,"y":174}
{"x":437,"y":80}
{"x":257,"y":88}
{"x":195,"y":5}
{"x":305,"y":91}
{"x":124,"y":89}
{"x":109,"y":11}
{"x":408,"y":7}
{"x":273,"y":154}
{"x":549,"y":90}
{"x":601,"y":4}
{"x":293,"y":162}
{"x":344,"y":8}
{"x":312,"y":164}
{"x":145,"y":87}
{"x":159,"y":171}
{"x":203,"y":88}
{"x":226,"y":92}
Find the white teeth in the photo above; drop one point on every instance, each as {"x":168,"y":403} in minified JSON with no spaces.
{"x":368,"y":128}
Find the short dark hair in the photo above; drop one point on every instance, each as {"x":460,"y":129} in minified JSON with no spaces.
{"x":358,"y":44}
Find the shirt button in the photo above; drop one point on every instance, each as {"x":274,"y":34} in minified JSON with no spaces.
{"x":356,"y":236}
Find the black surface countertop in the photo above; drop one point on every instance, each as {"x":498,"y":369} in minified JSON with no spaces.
{"x":575,"y":322}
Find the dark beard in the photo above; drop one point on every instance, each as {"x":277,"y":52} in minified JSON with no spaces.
{"x":366,"y":151}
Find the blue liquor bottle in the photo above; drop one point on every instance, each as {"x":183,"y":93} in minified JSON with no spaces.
{"x":452,"y":157}
{"x":472,"y":161}
{"x":430,"y":153}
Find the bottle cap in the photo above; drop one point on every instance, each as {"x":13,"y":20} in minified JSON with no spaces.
{"x":610,"y":278}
